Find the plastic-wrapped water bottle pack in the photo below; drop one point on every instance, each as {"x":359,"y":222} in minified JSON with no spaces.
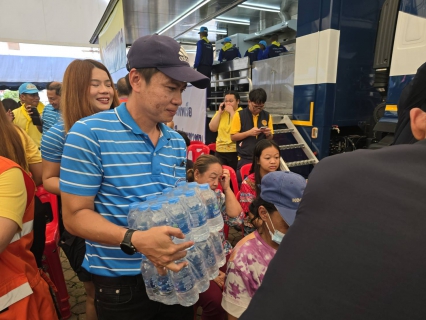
{"x":194,"y":209}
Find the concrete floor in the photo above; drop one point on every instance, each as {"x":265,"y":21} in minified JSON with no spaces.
{"x":78,"y":295}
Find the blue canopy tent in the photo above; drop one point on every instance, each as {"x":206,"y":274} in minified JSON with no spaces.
{"x":15,"y":70}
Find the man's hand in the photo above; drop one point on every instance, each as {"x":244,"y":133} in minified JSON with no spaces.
{"x":156,"y":244}
{"x":28,"y":108}
{"x":255,"y":131}
{"x":266,"y":131}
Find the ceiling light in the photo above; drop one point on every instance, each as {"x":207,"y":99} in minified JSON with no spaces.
{"x":183,"y":16}
{"x":257,"y":7}
{"x":233,"y":21}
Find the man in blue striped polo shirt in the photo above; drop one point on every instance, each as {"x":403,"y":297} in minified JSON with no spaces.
{"x":116,"y":157}
{"x":51,"y":113}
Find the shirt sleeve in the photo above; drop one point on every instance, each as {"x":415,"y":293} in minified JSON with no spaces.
{"x":52,"y":144}
{"x":271,"y":124}
{"x":13,"y":195}
{"x":198,"y":54}
{"x":236,"y":296}
{"x":260,"y":54}
{"x":265,"y":54}
{"x":81,"y":167}
{"x":32,"y":153}
{"x":220,"y":55}
{"x":238,"y":53}
{"x":236,"y":124}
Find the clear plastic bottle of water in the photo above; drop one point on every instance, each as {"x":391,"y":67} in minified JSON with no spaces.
{"x":197,"y":212}
{"x":167,"y":191}
{"x":214,"y":217}
{"x":158,"y":216}
{"x":178,"y":193}
{"x":165,"y":288}
{"x":151,"y":199}
{"x":196,"y":262}
{"x":184,"y":285}
{"x":131,"y":217}
{"x":149,"y":275}
{"x":206,"y":248}
{"x":195,"y":186}
{"x":143,"y":219}
{"x":181,"y":185}
{"x":217,"y":242}
{"x":179,"y":218}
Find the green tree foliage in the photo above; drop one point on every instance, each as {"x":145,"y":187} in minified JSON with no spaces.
{"x":11,"y":94}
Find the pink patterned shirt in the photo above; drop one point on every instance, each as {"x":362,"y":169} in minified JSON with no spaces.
{"x":246,"y":269}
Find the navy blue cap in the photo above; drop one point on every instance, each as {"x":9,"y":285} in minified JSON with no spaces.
{"x":284,"y":189}
{"x":227,"y":39}
{"x":168,"y":56}
{"x":203,"y":29}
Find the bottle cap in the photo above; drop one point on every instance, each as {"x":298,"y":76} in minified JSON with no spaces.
{"x":190,"y":193}
{"x":156,"y":207}
{"x":173,"y":200}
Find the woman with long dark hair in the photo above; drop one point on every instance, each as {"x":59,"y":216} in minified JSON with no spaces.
{"x":87,"y":88}
{"x":266,"y":158}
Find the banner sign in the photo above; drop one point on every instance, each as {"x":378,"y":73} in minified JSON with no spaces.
{"x":112,"y":42}
{"x":191,"y":115}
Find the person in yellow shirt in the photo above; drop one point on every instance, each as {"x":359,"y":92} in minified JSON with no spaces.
{"x":251,"y":125}
{"x":28,"y":94}
{"x":226,"y":149}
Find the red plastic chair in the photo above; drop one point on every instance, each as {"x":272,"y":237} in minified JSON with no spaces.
{"x":196,"y":150}
{"x":51,"y":261}
{"x":195,"y":142}
{"x":233,"y":176}
{"x":245,"y":171}
{"x":212,"y":147}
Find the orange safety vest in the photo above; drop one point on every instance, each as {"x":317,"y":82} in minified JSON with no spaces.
{"x":20,"y":277}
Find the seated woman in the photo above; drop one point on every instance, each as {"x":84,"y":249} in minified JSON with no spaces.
{"x":266,"y":158}
{"x":273,"y":213}
{"x":208,"y":169}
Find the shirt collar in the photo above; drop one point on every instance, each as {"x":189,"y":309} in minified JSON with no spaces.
{"x":125,"y":118}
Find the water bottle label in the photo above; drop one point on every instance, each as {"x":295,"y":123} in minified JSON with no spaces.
{"x":184,"y":284}
{"x":212,"y":210}
{"x":198,"y":218}
{"x":164,"y":285}
{"x":182,"y":224}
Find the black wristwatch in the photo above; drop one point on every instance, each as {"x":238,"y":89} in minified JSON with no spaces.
{"x":126,"y":245}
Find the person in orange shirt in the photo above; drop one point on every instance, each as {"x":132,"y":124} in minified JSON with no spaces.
{"x":24,"y":294}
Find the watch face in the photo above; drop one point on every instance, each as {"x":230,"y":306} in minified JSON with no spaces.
{"x":127,"y":249}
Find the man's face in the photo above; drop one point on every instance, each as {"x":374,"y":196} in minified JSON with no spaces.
{"x":30,"y":99}
{"x":255,"y":108}
{"x":53,"y":98}
{"x":160,"y":99}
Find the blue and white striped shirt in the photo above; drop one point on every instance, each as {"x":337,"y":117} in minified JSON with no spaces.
{"x":52,"y":142}
{"x":50,"y":116}
{"x":108,"y":156}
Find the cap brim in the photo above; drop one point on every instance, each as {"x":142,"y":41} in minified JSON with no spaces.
{"x":30,"y":91}
{"x":186,"y":74}
{"x":287,"y":214}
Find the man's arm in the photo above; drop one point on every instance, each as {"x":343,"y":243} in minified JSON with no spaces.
{"x":51,"y":172}
{"x":214,"y":122}
{"x":198,"y":54}
{"x":220,"y":55}
{"x":81,"y":220}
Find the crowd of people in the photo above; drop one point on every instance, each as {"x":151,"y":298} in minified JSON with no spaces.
{"x":99,"y":149}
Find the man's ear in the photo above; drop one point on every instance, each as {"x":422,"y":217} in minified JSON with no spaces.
{"x":262,"y":213}
{"x":418,"y":123}
{"x":135,"y":80}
